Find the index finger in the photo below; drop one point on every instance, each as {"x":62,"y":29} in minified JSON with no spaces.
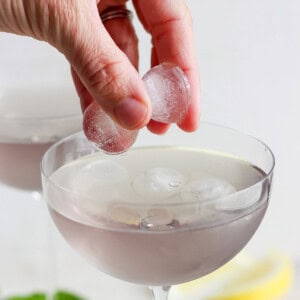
{"x":170,"y":25}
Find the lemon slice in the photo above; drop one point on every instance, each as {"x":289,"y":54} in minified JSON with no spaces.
{"x":244,"y":278}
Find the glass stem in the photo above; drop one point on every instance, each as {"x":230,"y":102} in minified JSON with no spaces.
{"x":160,"y":292}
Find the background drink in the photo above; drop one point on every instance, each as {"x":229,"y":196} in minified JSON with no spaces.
{"x":31,"y":120}
{"x":19,"y":165}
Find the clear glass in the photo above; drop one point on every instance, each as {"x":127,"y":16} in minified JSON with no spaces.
{"x":29,"y":124}
{"x":154,"y":249}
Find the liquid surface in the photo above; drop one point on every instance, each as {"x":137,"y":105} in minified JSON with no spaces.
{"x":158,"y":216}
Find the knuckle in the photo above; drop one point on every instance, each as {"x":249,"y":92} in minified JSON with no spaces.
{"x":104,"y":77}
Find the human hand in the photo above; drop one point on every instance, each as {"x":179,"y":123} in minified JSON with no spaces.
{"x":101,"y":70}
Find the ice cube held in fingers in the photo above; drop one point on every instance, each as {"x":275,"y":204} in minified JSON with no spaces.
{"x":106,"y":134}
{"x":169,"y":91}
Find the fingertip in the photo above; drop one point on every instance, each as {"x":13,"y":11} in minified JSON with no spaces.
{"x":189,"y":124}
{"x":157,"y":127}
{"x":192,"y":119}
{"x":189,"y":127}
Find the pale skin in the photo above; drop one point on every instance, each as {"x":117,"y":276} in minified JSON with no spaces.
{"x":104,"y":57}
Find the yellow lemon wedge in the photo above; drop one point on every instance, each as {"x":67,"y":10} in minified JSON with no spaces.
{"x":244,"y":278}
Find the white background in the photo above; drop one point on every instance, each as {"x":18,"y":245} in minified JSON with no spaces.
{"x":248,"y":53}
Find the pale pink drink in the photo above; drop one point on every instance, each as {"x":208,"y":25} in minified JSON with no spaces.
{"x":30,"y":122}
{"x":164,"y":214}
{"x":32,"y":118}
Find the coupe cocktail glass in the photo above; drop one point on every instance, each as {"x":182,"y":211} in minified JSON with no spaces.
{"x":171,"y":209}
{"x":32,"y":118}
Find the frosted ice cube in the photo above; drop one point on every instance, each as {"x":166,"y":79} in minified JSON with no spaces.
{"x":104,"y":170}
{"x":99,"y":184}
{"x":243,"y":199}
{"x":159,"y":219}
{"x":169,"y":91}
{"x":205,"y":190}
{"x":122,"y":213}
{"x":158,"y":183}
{"x":107,"y":135}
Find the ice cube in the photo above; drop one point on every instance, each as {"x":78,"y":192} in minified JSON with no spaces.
{"x":242,"y":199}
{"x":102,"y":131}
{"x":159,"y":219}
{"x":106,"y":171}
{"x":205,"y":190}
{"x":122,"y":213}
{"x":158,"y":183}
{"x":169,"y":91}
{"x":99,"y":184}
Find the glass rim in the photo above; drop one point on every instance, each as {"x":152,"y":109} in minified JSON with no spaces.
{"x":31,"y":119}
{"x":8,"y":123}
{"x":168,"y":204}
{"x":46,"y":118}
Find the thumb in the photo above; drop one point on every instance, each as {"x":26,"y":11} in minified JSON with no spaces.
{"x":103,"y":71}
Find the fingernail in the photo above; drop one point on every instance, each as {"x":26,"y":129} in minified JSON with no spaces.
{"x":130,"y":113}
